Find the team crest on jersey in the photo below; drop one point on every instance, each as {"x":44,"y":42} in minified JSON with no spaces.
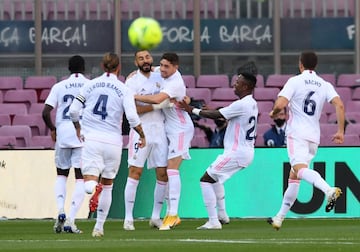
{"x":158,"y":85}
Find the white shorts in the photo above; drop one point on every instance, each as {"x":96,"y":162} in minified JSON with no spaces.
{"x":65,"y":158}
{"x":155,"y":150}
{"x":300,"y":151}
{"x":179,"y":144}
{"x":101,"y":159}
{"x":228,"y":164}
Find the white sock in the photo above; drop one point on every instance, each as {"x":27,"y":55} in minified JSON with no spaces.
{"x":60,"y":192}
{"x":174,"y":190}
{"x":129,"y":197}
{"x":77,"y":198}
{"x":314,"y":178}
{"x":289,"y":198}
{"x":159,"y":196}
{"x":220,"y":197}
{"x":209,"y":198}
{"x":105,"y":199}
{"x":167,"y":201}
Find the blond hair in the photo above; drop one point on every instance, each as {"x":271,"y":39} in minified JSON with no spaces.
{"x":110,"y":62}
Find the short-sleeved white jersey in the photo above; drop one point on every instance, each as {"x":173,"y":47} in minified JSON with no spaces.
{"x":60,"y":97}
{"x":176,"y":119}
{"x":306,"y":93}
{"x":241,"y":129}
{"x":142,"y":85}
{"x":106,"y":99}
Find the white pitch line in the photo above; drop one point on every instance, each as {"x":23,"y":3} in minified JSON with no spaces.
{"x":240,"y":241}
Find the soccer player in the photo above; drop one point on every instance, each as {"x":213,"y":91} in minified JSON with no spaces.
{"x":104,"y":100}
{"x":305,"y":94}
{"x":145,"y":82}
{"x":179,"y":131}
{"x":67,"y":145}
{"x":239,"y":142}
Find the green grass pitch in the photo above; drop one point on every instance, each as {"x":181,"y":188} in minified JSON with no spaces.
{"x":240,"y":235}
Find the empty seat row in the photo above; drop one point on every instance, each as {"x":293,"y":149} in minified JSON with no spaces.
{"x":343,"y":80}
{"x":20,"y":136}
{"x":166,"y":9}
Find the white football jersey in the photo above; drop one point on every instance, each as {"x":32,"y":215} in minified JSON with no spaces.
{"x":106,"y":99}
{"x":240,"y":132}
{"x":176,"y":119}
{"x":142,"y":85}
{"x":307,"y":93}
{"x":60,"y":97}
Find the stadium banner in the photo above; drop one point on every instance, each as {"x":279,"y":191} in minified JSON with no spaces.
{"x":217,"y":35}
{"x":27,"y":180}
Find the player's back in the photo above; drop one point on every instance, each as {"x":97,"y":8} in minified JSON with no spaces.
{"x":241,"y":129}
{"x":104,"y":108}
{"x":307,"y":94}
{"x":60,"y":97}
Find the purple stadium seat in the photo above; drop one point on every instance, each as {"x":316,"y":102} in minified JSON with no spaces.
{"x":22,"y":134}
{"x":40,"y":82}
{"x":7,"y":142}
{"x":344,"y":92}
{"x":259,"y":141}
{"x":45,"y":142}
{"x":328,"y":108}
{"x":348,"y":80}
{"x":217,"y":104}
{"x":352,"y":117}
{"x":266,"y":94}
{"x":329,"y":78}
{"x":349,"y":140}
{"x":323,"y":118}
{"x":98,"y":10}
{"x":261,"y":128}
{"x":352,"y":106}
{"x":265,"y":118}
{"x":189,"y":80}
{"x":328,"y":129}
{"x":265,"y":106}
{"x":24,"y":10}
{"x":356,"y":94}
{"x":352,"y":129}
{"x":10,"y":82}
{"x":224,"y":94}
{"x":13,"y":108}
{"x":212,"y":81}
{"x":65,"y":10}
{"x":5,"y":119}
{"x":25,"y":96}
{"x":339,"y":8}
{"x":44,"y":94}
{"x":259,"y":80}
{"x":36,"y":108}
{"x":199,"y":94}
{"x":199,"y":142}
{"x":301,"y":9}
{"x":1,"y":96}
{"x":35,"y":122}
{"x":277,"y":80}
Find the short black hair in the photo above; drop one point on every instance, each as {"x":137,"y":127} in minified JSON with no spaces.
{"x":77,"y":64}
{"x":173,"y":58}
{"x":309,"y":59}
{"x":250,"y":79}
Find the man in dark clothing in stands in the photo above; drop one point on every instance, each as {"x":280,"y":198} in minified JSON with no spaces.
{"x":275,"y":136}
